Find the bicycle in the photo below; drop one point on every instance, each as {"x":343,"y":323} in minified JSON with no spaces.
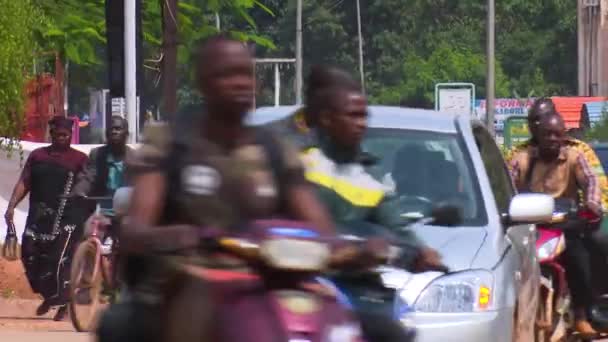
{"x":92,"y":273}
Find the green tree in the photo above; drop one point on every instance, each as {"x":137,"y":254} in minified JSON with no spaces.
{"x":600,"y":131}
{"x":17,"y":20}
{"x":419,"y":74}
{"x":535,"y":42}
{"x":76,"y":29}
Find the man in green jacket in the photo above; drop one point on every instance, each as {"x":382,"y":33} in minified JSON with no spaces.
{"x":299,"y":126}
{"x":338,"y":168}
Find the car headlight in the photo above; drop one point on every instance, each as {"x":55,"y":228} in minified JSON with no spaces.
{"x":469,"y":291}
{"x":550,"y":248}
{"x":297,"y":255}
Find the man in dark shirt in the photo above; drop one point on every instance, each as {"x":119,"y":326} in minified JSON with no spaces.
{"x":221,"y":175}
{"x":105,"y":170}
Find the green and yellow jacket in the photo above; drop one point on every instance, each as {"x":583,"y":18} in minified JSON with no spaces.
{"x":353,"y":195}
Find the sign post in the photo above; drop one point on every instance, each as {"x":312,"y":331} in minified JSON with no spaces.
{"x":456,"y":98}
{"x":515,"y":131}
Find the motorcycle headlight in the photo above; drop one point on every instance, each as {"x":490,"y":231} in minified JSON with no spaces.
{"x":297,"y":255}
{"x":550,"y":248}
{"x":469,"y":291}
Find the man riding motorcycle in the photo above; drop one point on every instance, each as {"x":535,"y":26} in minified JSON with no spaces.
{"x":221,"y":175}
{"x":555,"y":167}
{"x":337,"y":166}
{"x":542,"y":107}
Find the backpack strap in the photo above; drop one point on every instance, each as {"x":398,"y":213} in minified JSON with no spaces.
{"x":176,"y":151}
{"x":272,"y":147}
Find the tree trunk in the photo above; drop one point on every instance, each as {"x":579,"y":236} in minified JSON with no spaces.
{"x":169,"y":67}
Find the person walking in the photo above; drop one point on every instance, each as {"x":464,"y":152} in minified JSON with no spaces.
{"x":50,"y":235}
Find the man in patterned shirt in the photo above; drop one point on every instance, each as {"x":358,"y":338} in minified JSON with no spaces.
{"x":554,"y":167}
{"x":542,"y":107}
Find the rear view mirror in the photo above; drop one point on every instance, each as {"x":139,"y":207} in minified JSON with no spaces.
{"x":121,"y":200}
{"x":446,"y":215}
{"x":531,"y":208}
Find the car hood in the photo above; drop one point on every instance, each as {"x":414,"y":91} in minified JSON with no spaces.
{"x":458,"y":246}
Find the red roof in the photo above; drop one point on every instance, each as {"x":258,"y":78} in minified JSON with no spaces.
{"x":571,"y":107}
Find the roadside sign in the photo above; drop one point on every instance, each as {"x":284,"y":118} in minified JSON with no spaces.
{"x":515,"y":131}
{"x":503,"y":109}
{"x":456,"y":98}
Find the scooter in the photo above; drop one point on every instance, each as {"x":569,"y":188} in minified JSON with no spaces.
{"x":263,"y":284}
{"x":555,"y":316}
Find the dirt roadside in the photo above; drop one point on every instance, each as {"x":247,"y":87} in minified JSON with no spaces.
{"x":13,"y":283}
{"x":18,"y":303}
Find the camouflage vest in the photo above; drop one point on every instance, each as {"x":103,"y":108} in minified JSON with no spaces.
{"x":209,"y":187}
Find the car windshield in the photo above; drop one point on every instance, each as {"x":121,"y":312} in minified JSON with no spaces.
{"x":425,"y":169}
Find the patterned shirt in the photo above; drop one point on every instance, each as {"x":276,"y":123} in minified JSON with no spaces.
{"x":589,"y":155}
{"x":563,"y":177}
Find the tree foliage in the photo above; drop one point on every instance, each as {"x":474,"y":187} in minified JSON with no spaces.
{"x":76,"y":30}
{"x":600,"y":131}
{"x":17,"y":22}
{"x":411,"y":45}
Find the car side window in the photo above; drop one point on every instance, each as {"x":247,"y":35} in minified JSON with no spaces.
{"x":500,"y":180}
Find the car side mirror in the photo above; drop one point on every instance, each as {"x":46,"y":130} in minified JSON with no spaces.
{"x":530,"y":208}
{"x":121,"y":201}
{"x":446,"y":215}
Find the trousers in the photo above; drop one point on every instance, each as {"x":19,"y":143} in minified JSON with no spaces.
{"x":579,"y":258}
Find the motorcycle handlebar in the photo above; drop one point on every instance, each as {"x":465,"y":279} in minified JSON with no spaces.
{"x":568,"y":222}
{"x":343,"y":252}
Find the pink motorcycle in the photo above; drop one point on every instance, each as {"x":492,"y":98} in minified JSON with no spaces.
{"x":555,"y":317}
{"x":274,"y":295}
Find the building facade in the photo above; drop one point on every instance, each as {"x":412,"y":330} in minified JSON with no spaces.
{"x":592,"y":47}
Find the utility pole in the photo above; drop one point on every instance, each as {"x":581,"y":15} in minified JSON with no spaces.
{"x":299,"y":70}
{"x":360,"y":46}
{"x":491,"y":70}
{"x":131,"y":68}
{"x":169,"y":66}
{"x":581,"y":51}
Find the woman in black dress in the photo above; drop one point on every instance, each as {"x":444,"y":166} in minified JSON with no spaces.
{"x":50,"y":234}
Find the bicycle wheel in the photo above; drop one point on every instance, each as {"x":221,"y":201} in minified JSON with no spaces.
{"x":86,"y":286}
